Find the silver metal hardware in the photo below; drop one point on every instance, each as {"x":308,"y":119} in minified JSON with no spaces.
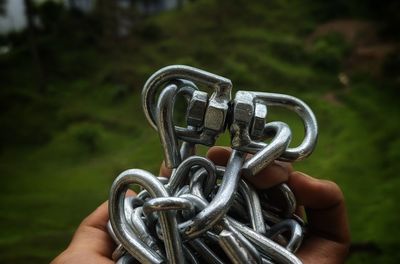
{"x":206,"y":213}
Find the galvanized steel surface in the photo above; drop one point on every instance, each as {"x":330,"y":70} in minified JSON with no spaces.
{"x":206,"y":213}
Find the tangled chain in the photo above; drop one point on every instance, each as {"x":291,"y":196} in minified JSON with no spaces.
{"x":206,"y":213}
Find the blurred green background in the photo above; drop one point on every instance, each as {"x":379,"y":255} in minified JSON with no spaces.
{"x":71,"y":119}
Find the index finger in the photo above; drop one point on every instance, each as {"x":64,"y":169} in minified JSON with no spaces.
{"x":325,"y":205}
{"x":327,"y":218}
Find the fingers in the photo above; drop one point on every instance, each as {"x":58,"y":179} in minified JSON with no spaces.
{"x":327,"y":218}
{"x":92,"y":234}
{"x":324,"y":203}
{"x":323,"y":200}
{"x":318,"y":250}
{"x":219,"y":155}
{"x":326,"y":212}
{"x":272,"y":175}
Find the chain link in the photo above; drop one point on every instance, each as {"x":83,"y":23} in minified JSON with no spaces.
{"x":206,"y":213}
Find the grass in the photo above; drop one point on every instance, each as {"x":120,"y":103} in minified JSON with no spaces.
{"x":62,"y":149}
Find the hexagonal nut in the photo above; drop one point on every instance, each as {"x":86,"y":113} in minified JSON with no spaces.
{"x":216,"y":112}
{"x":197,"y":109}
{"x":259,"y":120}
{"x":242,"y":112}
{"x":243,"y":108}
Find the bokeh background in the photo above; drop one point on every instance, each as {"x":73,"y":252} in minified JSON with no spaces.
{"x":71,"y":74}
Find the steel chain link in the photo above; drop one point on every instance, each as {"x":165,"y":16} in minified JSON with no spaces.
{"x":206,"y":213}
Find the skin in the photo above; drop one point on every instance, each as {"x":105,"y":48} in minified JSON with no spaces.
{"x":328,"y":237}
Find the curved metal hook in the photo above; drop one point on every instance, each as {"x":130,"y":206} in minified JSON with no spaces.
{"x":218,"y":207}
{"x":200,"y":184}
{"x":190,"y":257}
{"x":221,"y":85}
{"x":289,"y":198}
{"x":203,"y":250}
{"x":167,"y":220}
{"x":130,"y":204}
{"x":166,"y":128}
{"x":126,"y":259}
{"x":200,"y":204}
{"x":282,"y":194}
{"x":234,"y":249}
{"x":269,"y":152}
{"x":182,"y":171}
{"x":166,"y":204}
{"x":253,"y":206}
{"x":296,"y":233}
{"x":307,"y":116}
{"x":141,"y":230}
{"x":266,"y":245}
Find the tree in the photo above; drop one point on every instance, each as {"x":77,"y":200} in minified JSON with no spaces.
{"x":30,"y":15}
{"x":2,"y":7}
{"x":107,"y":12}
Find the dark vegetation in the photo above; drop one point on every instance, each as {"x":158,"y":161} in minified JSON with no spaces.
{"x":69,"y":130}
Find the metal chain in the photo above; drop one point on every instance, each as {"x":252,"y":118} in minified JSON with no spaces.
{"x":206,"y":213}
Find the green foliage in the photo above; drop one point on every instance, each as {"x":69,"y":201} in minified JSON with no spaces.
{"x":16,"y":106}
{"x":150,"y":31}
{"x":329,"y":51}
{"x":391,"y":67}
{"x":51,"y":14}
{"x":88,"y":135}
{"x":62,"y":149}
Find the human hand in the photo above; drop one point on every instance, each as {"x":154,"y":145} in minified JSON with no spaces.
{"x":91,"y":242}
{"x":328,"y":238}
{"x":327,"y":242}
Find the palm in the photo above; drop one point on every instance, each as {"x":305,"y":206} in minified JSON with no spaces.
{"x":328,"y":234}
